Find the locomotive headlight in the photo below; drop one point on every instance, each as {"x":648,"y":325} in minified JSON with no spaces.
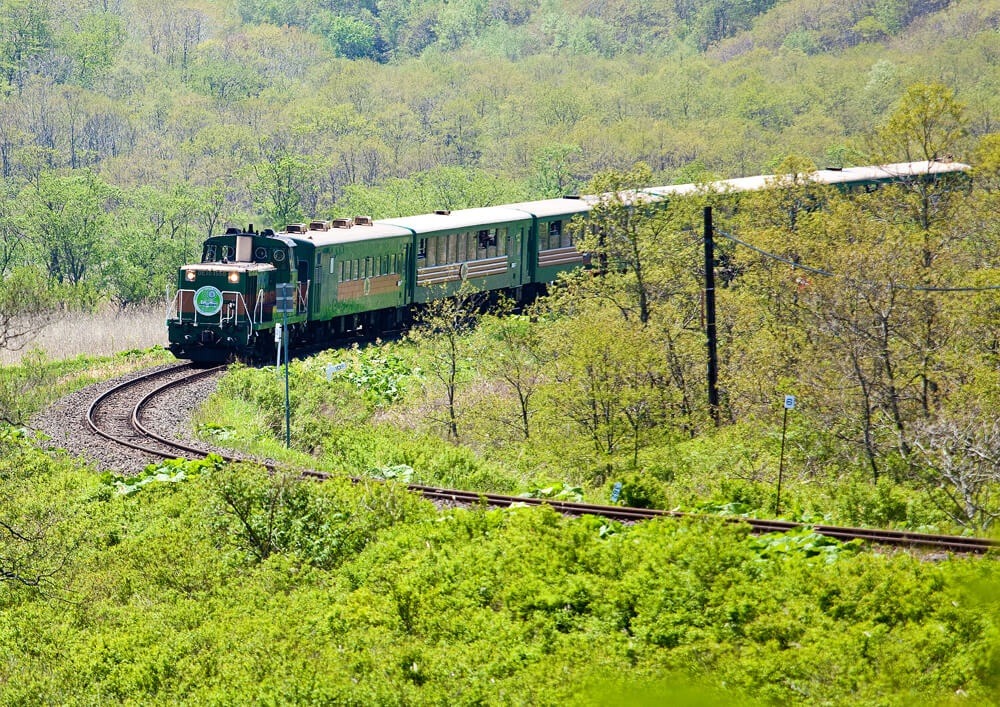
{"x":234,"y":277}
{"x":190,"y":275}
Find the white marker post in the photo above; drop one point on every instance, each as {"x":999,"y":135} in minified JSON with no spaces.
{"x":789,"y":405}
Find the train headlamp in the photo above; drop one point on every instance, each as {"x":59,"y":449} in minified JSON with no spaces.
{"x":190,"y":275}
{"x":234,"y":277}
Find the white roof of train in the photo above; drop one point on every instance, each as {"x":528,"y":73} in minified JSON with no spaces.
{"x":570,"y":206}
{"x":354,"y":234}
{"x":832,"y":177}
{"x":458,"y":219}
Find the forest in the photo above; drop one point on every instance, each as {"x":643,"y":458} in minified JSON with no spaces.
{"x":130,"y":130}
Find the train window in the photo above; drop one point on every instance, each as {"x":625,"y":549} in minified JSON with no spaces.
{"x":319,"y":261}
{"x":227,"y":254}
{"x":422,"y":248}
{"x":566,"y":237}
{"x":209,"y":256}
{"x":279,"y":256}
{"x":555,"y":233}
{"x":501,"y":236}
{"x":260,"y":254}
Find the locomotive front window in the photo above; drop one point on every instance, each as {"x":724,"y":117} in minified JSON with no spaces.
{"x":260,"y":254}
{"x":209,"y":256}
{"x":227,"y":253}
{"x":422,"y":248}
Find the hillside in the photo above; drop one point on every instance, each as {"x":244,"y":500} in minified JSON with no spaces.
{"x":131,"y":129}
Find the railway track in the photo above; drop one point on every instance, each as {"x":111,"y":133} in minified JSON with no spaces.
{"x":117,"y":416}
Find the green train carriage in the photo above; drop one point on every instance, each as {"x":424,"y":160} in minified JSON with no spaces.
{"x":353,"y":275}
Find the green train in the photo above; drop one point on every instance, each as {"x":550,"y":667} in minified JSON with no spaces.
{"x":362,"y":275}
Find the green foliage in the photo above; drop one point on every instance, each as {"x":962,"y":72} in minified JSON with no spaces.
{"x":37,"y":536}
{"x":266,"y":514}
{"x":170,"y":471}
{"x":370,"y":595}
{"x":443,"y":187}
{"x":380,"y":375}
{"x":557,"y":491}
{"x":642,"y":491}
{"x":804,"y":543}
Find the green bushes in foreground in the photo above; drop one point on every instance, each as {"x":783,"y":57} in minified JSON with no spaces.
{"x":368,"y":595}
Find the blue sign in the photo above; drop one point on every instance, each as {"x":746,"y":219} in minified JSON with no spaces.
{"x":616,"y":491}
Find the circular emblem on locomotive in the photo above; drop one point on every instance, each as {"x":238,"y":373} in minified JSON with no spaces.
{"x":207,"y":300}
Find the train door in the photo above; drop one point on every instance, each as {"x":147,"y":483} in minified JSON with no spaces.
{"x":515,"y":263}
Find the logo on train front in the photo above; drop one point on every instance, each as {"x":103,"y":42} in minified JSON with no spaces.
{"x":207,"y":300}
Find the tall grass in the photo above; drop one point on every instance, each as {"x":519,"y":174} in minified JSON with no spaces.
{"x":100,"y":333}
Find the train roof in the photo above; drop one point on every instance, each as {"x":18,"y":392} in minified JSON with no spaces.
{"x":562,"y":206}
{"x":459,"y":219}
{"x":325,"y":233}
{"x":846,"y":175}
{"x":340,"y":231}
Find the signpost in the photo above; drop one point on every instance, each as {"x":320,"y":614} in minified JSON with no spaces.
{"x":789,"y":405}
{"x":285,"y":305}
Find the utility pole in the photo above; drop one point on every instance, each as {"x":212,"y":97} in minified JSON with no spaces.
{"x":713,"y":353}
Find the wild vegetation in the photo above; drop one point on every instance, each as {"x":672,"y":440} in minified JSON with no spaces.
{"x":129,"y":130}
{"x":212,"y":584}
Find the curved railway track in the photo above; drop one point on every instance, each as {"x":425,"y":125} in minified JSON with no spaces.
{"x":117,"y":416}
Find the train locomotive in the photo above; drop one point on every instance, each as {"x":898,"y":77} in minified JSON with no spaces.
{"x":362,"y":275}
